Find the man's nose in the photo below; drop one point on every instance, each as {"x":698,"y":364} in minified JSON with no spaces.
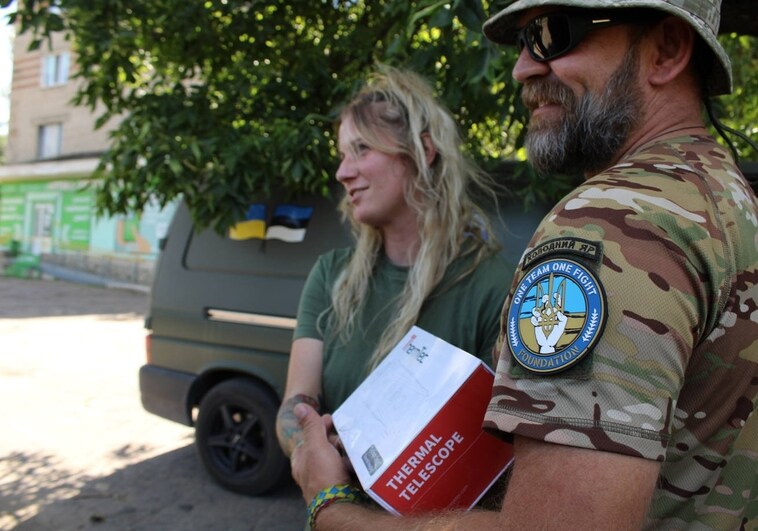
{"x":526,"y":67}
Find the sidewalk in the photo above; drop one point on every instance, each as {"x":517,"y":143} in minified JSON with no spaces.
{"x":24,"y":298}
{"x":83,"y":277}
{"x":98,"y":270}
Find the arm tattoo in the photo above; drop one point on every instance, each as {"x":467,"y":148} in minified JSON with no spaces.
{"x":290,"y":434}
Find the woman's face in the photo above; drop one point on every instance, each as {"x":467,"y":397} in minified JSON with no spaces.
{"x":374,"y":181}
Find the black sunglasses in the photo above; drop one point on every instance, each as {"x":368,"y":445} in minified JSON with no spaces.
{"x":551,"y":35}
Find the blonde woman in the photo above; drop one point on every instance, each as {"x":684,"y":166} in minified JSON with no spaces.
{"x":425,"y":254}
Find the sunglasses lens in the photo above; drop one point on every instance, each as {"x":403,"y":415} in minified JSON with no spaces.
{"x":548,"y":36}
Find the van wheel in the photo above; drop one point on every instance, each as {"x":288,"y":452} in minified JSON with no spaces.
{"x":236,"y":437}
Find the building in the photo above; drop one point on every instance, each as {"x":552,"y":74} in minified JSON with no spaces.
{"x":47,"y":206}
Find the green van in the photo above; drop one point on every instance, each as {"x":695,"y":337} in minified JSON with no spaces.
{"x":220,"y":323}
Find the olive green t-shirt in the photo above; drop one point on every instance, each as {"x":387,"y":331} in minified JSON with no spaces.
{"x":465,"y":314}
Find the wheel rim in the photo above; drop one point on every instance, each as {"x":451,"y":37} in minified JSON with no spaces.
{"x":236,"y":442}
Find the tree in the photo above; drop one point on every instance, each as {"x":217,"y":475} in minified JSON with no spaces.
{"x":739,"y":110}
{"x":225,"y":101}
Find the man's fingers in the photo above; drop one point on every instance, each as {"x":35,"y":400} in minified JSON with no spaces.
{"x":309,"y":420}
{"x":316,"y":464}
{"x":302,"y":410}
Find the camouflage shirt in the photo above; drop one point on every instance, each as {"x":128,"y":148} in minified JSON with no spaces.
{"x":632,"y":327}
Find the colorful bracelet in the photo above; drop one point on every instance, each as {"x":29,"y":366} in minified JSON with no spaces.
{"x":329,"y":495}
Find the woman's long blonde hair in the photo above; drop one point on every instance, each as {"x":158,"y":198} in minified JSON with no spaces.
{"x":399,"y":105}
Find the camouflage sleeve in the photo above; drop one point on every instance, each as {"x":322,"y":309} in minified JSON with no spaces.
{"x":619,"y":283}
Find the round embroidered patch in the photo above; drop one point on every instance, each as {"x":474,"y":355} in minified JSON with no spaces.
{"x":555,"y":316}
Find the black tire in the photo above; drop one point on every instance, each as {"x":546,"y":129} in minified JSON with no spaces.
{"x":236,"y":437}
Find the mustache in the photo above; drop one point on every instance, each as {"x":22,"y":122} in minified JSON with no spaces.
{"x":545,"y":91}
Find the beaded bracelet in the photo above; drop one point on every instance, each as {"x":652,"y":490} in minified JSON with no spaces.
{"x":329,"y":495}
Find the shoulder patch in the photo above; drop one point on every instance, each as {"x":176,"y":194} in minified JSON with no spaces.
{"x":575,"y":246}
{"x":556,"y":315}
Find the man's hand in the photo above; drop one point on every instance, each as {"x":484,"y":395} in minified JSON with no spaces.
{"x":316,"y":463}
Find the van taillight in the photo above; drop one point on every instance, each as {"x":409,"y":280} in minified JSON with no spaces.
{"x":148,"y":348}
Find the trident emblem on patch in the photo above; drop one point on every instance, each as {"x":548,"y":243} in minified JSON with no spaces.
{"x":548,"y":318}
{"x":556,"y":315}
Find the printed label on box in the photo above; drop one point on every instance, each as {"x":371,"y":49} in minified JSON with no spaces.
{"x":413,"y":428}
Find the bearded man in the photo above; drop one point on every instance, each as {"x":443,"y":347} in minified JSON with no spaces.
{"x":644,"y":414}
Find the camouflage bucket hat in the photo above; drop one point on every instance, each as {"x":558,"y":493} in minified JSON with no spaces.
{"x":703,"y":15}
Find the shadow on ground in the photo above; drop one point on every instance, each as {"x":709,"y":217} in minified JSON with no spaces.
{"x":170,"y":491}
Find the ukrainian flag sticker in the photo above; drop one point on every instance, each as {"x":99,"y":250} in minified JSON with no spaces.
{"x":253,"y":226}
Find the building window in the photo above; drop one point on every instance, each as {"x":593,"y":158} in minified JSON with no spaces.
{"x":49,"y":140}
{"x":55,"y":69}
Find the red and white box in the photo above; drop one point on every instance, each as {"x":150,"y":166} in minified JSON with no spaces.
{"x":413,"y":428}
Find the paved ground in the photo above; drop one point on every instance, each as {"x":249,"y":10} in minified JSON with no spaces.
{"x":77,"y":451}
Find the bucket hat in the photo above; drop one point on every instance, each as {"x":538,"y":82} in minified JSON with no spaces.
{"x":703,"y":15}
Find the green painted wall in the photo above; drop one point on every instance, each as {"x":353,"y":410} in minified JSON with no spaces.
{"x":58,"y":216}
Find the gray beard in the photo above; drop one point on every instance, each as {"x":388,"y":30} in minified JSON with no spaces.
{"x":592,"y":131}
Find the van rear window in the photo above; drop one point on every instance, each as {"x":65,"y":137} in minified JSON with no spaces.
{"x":285,"y":242}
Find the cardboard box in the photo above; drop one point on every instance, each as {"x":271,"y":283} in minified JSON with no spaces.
{"x":413,"y":428}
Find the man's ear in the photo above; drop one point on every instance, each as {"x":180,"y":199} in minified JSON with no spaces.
{"x":429,"y":150}
{"x":673,"y":41}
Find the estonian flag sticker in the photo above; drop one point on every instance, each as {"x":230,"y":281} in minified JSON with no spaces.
{"x":288,"y":223}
